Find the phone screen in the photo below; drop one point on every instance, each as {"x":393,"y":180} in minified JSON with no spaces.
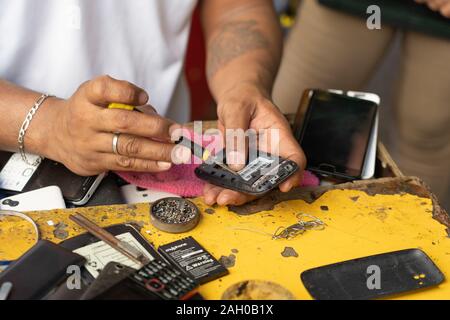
{"x":336,"y":133}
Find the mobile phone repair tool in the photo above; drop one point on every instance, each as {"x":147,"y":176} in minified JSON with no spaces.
{"x":123,"y":247}
{"x":206,"y":155}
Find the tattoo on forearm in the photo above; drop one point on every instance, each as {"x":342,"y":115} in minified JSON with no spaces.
{"x":235,"y":39}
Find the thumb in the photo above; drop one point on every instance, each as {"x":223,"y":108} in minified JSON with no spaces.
{"x":234,"y":122}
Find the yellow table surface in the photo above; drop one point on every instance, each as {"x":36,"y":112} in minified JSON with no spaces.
{"x":357,"y":225}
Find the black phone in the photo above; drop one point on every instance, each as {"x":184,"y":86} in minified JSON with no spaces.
{"x":334,"y":132}
{"x":112,"y":274}
{"x":262,"y":173}
{"x":16,"y":177}
{"x":373,"y":276}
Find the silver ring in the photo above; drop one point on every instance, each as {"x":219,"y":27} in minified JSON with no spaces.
{"x":115,"y":143}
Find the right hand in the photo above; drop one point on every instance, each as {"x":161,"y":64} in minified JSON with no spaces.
{"x":83,"y":128}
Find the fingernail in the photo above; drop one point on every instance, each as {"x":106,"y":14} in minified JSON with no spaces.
{"x":181,"y":154}
{"x":176,"y":132}
{"x":209,"y":200}
{"x":235,"y":160}
{"x":164,"y":165}
{"x":223,"y":200}
{"x":143,"y":98}
{"x":287,"y":186}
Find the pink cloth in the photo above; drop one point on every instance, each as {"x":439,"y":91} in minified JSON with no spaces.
{"x":181,"y":179}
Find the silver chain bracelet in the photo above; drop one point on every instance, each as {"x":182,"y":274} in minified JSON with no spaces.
{"x":24,"y":127}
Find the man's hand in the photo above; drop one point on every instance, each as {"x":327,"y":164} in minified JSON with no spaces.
{"x":242,"y":108}
{"x":244,"y":45}
{"x":443,"y":6}
{"x":83,"y":128}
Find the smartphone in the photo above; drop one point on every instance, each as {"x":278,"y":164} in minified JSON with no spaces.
{"x":17,"y":177}
{"x":334,"y":131}
{"x":48,"y":198}
{"x":371,"y":156}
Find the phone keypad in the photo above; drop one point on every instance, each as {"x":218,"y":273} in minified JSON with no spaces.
{"x":165,"y":281}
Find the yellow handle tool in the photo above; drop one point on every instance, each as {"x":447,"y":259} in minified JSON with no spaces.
{"x":120,"y":106}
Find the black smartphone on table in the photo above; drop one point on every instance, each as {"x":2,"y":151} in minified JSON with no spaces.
{"x":16,"y":177}
{"x":334,"y":131}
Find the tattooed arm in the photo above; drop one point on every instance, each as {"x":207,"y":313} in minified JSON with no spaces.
{"x":243,"y":42}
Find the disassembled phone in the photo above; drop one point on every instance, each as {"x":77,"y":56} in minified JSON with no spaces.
{"x":16,"y":177}
{"x":334,"y":130}
{"x":261,"y":174}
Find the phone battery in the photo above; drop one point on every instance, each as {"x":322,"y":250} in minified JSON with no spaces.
{"x":193,"y":259}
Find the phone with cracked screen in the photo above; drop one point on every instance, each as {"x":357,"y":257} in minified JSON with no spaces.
{"x":335,"y":130}
{"x":262,"y":173}
{"x":17,"y":177}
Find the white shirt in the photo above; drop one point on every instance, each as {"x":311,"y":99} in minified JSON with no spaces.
{"x":53,"y":46}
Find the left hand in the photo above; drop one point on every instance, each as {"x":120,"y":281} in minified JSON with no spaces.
{"x":247,"y":107}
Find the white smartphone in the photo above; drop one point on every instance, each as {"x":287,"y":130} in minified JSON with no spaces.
{"x":47,"y":198}
{"x":133,"y":194}
{"x":371,"y":154}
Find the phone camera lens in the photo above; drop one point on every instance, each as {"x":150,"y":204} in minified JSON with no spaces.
{"x":10,"y":203}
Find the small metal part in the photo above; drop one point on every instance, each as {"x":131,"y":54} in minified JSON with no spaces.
{"x":300,"y":227}
{"x":174,"y":215}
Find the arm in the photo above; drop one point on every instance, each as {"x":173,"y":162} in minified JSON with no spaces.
{"x":244,"y":42}
{"x":15,"y":103}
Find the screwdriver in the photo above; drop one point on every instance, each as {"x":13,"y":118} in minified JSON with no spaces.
{"x":206,"y":154}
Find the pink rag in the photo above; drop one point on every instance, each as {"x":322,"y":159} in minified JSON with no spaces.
{"x":181,"y":179}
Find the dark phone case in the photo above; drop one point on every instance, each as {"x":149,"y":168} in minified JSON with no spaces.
{"x":111,"y":274}
{"x":299,"y":132}
{"x":39,"y":270}
{"x":399,"y":272}
{"x":73,"y":186}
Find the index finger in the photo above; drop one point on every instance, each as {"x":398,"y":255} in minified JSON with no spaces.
{"x":136,"y":123}
{"x":104,"y":90}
